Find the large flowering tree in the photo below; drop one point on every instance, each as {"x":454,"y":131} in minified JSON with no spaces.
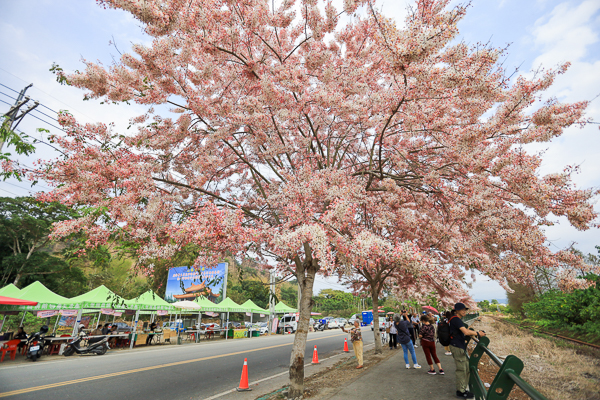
{"x":289,"y":116}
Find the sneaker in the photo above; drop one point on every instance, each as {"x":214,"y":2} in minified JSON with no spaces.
{"x":430,"y":372}
{"x":416,"y":366}
{"x":416,"y":345}
{"x":407,"y":366}
{"x":448,"y":353}
{"x":441,"y":371}
{"x":464,"y":395}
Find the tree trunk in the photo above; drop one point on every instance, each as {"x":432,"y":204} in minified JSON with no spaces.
{"x":376,"y":333}
{"x":306,"y":282}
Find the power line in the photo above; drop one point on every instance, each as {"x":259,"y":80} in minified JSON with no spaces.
{"x":20,"y":187}
{"x":48,"y":94}
{"x":49,"y":123}
{"x":14,"y":98}
{"x":8,"y":191}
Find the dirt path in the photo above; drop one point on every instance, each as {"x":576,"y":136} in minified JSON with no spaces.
{"x":555,"y":368}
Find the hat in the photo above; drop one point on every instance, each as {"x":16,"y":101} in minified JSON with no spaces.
{"x":460,"y":306}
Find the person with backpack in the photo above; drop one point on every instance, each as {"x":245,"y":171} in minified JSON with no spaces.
{"x":458,"y":347}
{"x":405,"y":340}
{"x":443,"y":333}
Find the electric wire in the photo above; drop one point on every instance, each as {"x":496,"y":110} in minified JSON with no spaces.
{"x":8,"y":191}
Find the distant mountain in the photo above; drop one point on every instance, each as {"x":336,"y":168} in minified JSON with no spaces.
{"x":501,"y":301}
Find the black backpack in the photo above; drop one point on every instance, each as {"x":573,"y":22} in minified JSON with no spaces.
{"x":443,"y":333}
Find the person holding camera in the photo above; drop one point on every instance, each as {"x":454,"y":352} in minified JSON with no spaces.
{"x":458,"y":348}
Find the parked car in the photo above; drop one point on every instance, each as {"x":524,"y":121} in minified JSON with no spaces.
{"x":381,"y":324}
{"x":336,"y":323}
{"x":354,"y":318}
{"x":288,"y":322}
{"x":264,"y":327}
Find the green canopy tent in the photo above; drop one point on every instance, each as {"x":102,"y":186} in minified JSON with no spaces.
{"x":98,"y":300}
{"x":228,"y":306}
{"x":46,"y":299}
{"x":147,"y":302}
{"x":282,"y":308}
{"x":10,"y":290}
{"x":254,"y":310}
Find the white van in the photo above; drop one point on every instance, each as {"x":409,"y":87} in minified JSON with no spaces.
{"x":288,"y":321}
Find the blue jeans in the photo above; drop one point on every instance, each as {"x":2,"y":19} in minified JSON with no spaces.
{"x":405,"y":348}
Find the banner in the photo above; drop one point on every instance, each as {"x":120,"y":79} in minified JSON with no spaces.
{"x":46,"y":314}
{"x":67,"y":320}
{"x":107,"y":311}
{"x":68,"y":312}
{"x":274,"y":326}
{"x":262,"y":315}
{"x":117,"y":313}
{"x":185,"y":283}
{"x":248,"y":314}
{"x":129,"y":312}
{"x":162,"y":312}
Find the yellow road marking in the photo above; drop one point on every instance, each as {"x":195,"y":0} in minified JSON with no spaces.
{"x":132,"y":371}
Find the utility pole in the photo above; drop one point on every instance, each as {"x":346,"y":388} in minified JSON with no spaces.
{"x":271,"y":300}
{"x":11,"y":115}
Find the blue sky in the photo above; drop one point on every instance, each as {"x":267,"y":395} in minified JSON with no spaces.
{"x":37,"y":33}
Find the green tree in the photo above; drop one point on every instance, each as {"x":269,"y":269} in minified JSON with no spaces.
{"x":25,"y":225}
{"x":484,"y":305}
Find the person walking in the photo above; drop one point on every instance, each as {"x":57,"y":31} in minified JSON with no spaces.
{"x":405,"y":340}
{"x":458,"y":348}
{"x":447,"y":316}
{"x":411,"y":328}
{"x":357,"y":343}
{"x":427,"y":336}
{"x":393,"y":333}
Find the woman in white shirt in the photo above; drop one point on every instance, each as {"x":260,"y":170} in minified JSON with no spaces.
{"x":393,"y":333}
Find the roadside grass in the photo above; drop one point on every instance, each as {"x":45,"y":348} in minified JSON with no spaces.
{"x":554,"y":367}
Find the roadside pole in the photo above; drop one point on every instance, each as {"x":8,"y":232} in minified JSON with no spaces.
{"x":77,"y":321}
{"x":271,"y":302}
{"x":132,"y":341}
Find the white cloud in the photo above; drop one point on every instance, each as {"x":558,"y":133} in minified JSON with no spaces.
{"x":566,"y":33}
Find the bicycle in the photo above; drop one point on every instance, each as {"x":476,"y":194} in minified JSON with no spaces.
{"x":384,"y":337}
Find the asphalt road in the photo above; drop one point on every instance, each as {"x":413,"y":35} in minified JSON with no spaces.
{"x":189,"y":371}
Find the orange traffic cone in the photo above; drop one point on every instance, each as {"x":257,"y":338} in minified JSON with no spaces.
{"x":315,"y":356}
{"x":244,"y":380}
{"x":346,"y":346}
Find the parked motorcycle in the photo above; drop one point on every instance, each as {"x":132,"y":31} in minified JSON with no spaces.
{"x":320,"y":326}
{"x":100,"y":347}
{"x":36,"y":343}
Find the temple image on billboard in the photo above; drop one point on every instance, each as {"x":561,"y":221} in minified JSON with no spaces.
{"x":196,"y":290}
{"x":189,"y":283}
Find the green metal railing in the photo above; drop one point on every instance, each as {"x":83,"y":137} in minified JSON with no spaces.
{"x":470,"y":317}
{"x":507,"y":377}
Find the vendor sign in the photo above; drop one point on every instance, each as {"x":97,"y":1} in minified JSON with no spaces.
{"x":238,"y":333}
{"x":68,"y":312}
{"x":129,"y":312}
{"x":162,"y":312}
{"x":117,"y":313}
{"x":249,"y":314}
{"x":107,"y":311}
{"x":46,"y":314}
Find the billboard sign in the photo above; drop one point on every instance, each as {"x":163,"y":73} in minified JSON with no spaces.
{"x":185,"y":283}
